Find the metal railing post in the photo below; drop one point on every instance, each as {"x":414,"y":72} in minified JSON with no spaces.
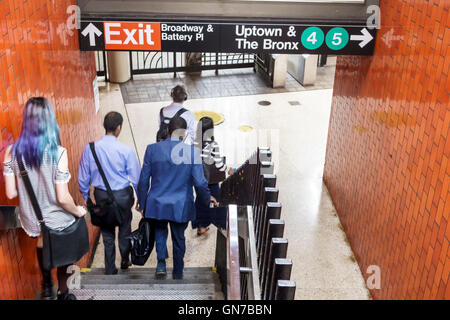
{"x":273,"y":211}
{"x":131,"y":64}
{"x":267,"y":167}
{"x":105,"y":66}
{"x":265,"y":154}
{"x":270,"y":180}
{"x":266,"y":181}
{"x":270,"y":195}
{"x":221,"y":259}
{"x":174,"y":64}
{"x":278,"y":249}
{"x":217,"y":63}
{"x":282,"y":271}
{"x":275,"y":230}
{"x":285,"y":290}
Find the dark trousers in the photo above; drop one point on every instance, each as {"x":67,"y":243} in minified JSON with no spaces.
{"x":178,"y":242}
{"x":125,"y":199}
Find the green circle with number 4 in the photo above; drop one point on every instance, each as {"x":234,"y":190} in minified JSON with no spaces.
{"x":312,"y":38}
{"x":337,"y":38}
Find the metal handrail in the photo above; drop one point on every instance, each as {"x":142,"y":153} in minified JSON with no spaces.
{"x":251,"y":254}
{"x":240,"y":271}
{"x":253,"y":257}
{"x":233,"y":267}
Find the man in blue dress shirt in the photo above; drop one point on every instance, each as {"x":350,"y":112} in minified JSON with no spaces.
{"x":174,"y":168}
{"x":122,"y":169}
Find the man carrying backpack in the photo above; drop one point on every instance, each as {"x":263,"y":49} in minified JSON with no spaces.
{"x":175,"y":109}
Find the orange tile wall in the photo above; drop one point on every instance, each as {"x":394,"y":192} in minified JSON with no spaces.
{"x":388,"y":152}
{"x":39,"y":56}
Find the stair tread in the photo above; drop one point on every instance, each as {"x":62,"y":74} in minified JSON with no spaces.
{"x":133,"y":292}
{"x":147,"y":274}
{"x":116,"y":294}
{"x":138,"y":270}
{"x":148,"y":297}
{"x":148,"y":280}
{"x":148,"y":277}
{"x":154,"y":286}
{"x":199,"y":283}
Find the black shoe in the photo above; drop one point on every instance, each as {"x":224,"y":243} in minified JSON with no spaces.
{"x":66,"y":296}
{"x":161,"y":269}
{"x":47,"y":292}
{"x":125,"y":264}
{"x":177,"y":276}
{"x":114,"y":272}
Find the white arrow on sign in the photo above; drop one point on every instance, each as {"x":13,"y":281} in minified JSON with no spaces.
{"x":365,"y":38}
{"x":92,"y":31}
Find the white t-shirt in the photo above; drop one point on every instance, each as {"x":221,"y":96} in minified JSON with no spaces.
{"x":188,"y":115}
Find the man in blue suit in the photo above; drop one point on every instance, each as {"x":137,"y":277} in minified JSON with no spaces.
{"x":174,"y":168}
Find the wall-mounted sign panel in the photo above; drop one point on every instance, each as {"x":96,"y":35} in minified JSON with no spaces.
{"x":226,"y":37}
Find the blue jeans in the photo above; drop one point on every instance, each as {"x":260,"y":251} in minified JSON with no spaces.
{"x":178,"y":242}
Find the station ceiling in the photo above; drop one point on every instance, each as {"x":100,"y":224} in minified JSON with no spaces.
{"x":318,"y":11}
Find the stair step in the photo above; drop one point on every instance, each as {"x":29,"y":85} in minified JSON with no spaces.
{"x":148,"y":277}
{"x":141,"y":284}
{"x":144,"y":276}
{"x":131,"y":294}
{"x":147,"y":273}
{"x":139,"y":270}
{"x":154,"y":286}
{"x":120,"y":281}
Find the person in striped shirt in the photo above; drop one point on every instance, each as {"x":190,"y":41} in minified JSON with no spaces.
{"x":214,"y":168}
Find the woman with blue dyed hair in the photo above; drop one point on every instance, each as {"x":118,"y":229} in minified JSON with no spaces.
{"x":46,"y":163}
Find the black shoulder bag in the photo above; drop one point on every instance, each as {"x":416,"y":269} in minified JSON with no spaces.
{"x":63,"y":247}
{"x":107,"y":213}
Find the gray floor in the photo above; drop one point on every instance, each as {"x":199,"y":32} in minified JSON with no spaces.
{"x":236,"y":82}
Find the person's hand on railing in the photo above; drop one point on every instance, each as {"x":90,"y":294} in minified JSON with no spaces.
{"x":214,"y":201}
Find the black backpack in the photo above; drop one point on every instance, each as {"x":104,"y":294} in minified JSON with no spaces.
{"x":163,"y":131}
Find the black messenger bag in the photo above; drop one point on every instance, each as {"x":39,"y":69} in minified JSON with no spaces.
{"x":108,"y":213}
{"x":63,"y":247}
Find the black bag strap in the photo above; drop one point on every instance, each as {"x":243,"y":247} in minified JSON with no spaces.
{"x":161,"y":116}
{"x":178,"y":114}
{"x":102,"y":173}
{"x":30,"y":191}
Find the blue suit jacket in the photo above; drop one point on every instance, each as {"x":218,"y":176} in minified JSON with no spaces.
{"x":174,"y":168}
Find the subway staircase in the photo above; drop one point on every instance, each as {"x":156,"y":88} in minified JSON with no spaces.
{"x":141,"y":284}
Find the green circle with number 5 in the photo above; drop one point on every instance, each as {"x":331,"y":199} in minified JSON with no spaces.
{"x":337,"y":38}
{"x":312,"y":38}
